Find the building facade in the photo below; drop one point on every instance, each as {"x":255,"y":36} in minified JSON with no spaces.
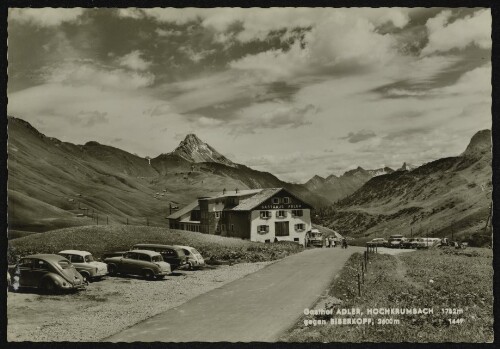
{"x":264,"y":215}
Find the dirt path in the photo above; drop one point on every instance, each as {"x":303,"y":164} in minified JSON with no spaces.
{"x":258,"y":307}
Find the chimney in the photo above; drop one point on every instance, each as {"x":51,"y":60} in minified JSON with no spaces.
{"x":223,"y":191}
{"x":236,"y":190}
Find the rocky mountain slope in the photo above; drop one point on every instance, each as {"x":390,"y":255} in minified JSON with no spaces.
{"x":449,"y":196}
{"x":52,"y":184}
{"x":334,"y":188}
{"x":194,"y":149}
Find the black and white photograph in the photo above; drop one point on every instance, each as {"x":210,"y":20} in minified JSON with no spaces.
{"x":254,"y":174}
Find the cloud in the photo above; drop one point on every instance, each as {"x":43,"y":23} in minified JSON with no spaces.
{"x":196,"y":56}
{"x":271,"y":116}
{"x":363,"y":135}
{"x":134,"y":61}
{"x":91,"y":118}
{"x":407,"y":132}
{"x":44,"y":17}
{"x":444,"y":36}
{"x":86,"y":72}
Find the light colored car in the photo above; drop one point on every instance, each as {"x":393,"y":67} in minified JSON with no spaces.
{"x":395,"y":241}
{"x":194,"y":258}
{"x":145,"y":263}
{"x":85,"y":264}
{"x":377,"y":242}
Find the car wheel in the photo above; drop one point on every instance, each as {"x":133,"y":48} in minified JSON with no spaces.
{"x":48,"y":286}
{"x":112,"y":270}
{"x":86,"y":277}
{"x":148,"y":274}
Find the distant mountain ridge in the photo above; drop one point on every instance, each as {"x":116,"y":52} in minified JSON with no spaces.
{"x":52,"y":183}
{"x":334,"y":188}
{"x":446,"y":197}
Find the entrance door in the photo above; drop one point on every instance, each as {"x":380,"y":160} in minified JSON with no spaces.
{"x":281,"y":229}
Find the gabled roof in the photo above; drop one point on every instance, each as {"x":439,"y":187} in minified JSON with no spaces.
{"x":186,"y":209}
{"x":228,"y":193}
{"x":257,"y":199}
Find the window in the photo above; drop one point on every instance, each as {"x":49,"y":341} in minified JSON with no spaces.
{"x":76,"y":258}
{"x":296,"y":239}
{"x":297,"y":213}
{"x":281,"y":213}
{"x":286,"y":200}
{"x":26,"y":263}
{"x":39,"y":264}
{"x":300,"y":227}
{"x":64,"y":264}
{"x":262,"y":229}
{"x":89,"y":258}
{"x":276,"y":201}
{"x":232,"y":227}
{"x":265,"y":214}
{"x":144,"y":257}
{"x":131,"y":255}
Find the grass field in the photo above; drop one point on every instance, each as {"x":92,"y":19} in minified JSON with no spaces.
{"x":98,"y":239}
{"x":438,"y":279}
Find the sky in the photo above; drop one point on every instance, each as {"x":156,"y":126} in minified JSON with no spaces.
{"x":296,"y":92}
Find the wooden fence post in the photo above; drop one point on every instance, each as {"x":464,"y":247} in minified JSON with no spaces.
{"x":359,"y":285}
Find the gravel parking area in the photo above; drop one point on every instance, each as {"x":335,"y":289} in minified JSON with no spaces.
{"x":110,"y":305}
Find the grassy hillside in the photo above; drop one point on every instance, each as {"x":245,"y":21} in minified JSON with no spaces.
{"x":51,"y":182}
{"x":449,"y":196}
{"x":98,"y":239}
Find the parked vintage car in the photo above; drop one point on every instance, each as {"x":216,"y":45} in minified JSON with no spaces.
{"x":194,"y":258}
{"x":423,"y":243}
{"x":145,"y":263}
{"x":109,"y":254}
{"x":314,"y":238}
{"x":377,"y":242}
{"x":85,"y":264}
{"x":174,"y":256}
{"x":409,"y":243}
{"x":49,"y":272}
{"x":395,"y":241}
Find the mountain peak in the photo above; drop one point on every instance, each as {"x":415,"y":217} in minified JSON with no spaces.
{"x":193,"y":149}
{"x":407,"y":167}
{"x":479,"y":144}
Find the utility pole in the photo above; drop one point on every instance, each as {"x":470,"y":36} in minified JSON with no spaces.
{"x":97,"y":217}
{"x":147,"y":221}
{"x":107,"y":222}
{"x":127,"y":220}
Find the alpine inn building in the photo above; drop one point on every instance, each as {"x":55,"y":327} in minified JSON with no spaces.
{"x":262,"y":215}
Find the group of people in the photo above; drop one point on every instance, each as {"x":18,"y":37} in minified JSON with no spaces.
{"x":330,"y":241}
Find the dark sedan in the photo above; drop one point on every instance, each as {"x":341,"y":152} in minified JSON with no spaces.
{"x":174,"y":256}
{"x":49,"y":272}
{"x":149,"y":264}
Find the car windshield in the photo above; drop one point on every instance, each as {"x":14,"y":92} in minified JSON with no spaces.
{"x":89,"y":258}
{"x":157,"y":259}
{"x":64,"y":264}
{"x":75,"y":258}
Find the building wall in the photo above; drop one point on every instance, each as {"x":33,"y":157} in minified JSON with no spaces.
{"x":297,"y":236}
{"x":240,"y":223}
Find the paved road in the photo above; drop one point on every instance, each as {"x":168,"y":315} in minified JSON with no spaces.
{"x":257,"y":307}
